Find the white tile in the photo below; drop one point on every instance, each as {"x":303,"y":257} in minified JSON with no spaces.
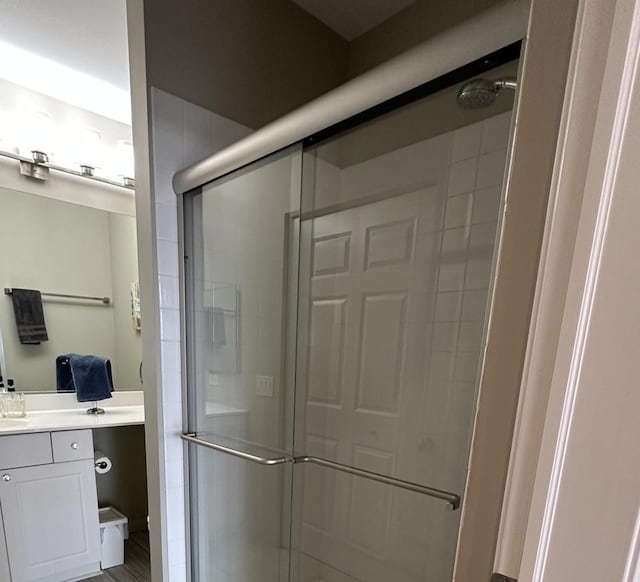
{"x":483,"y":235}
{"x":197,"y":133}
{"x":466,"y":366}
{"x":172,"y":407}
{"x":437,"y":405}
{"x":495,"y":133}
{"x":167,"y":258}
{"x":451,"y":276}
{"x":167,"y":221}
{"x":491,"y":169}
{"x":173,"y":447}
{"x":225,"y":132}
{"x":445,"y":336}
{"x":177,"y":572}
{"x":474,"y":305}
{"x":169,"y":290}
{"x":486,"y":204}
{"x":448,"y":306}
{"x":441,"y":365}
{"x":168,"y":149}
{"x":458,"y":212}
{"x":162,"y":185}
{"x":466,"y":142}
{"x":166,"y":111}
{"x":174,"y":474}
{"x":470,"y":336}
{"x":462,"y":405}
{"x":169,"y":324}
{"x":455,"y":240}
{"x":462,"y":177}
{"x":170,"y":354}
{"x":478,"y":274}
{"x":176,"y":516}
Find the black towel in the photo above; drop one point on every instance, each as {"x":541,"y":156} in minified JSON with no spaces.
{"x":27,"y":307}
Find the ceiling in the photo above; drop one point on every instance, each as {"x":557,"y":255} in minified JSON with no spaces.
{"x":89,"y":36}
{"x":64,"y":82}
{"x":72,"y":50}
{"x":351,"y":18}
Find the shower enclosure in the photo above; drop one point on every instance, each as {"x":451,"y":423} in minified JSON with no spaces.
{"x":337,"y":297}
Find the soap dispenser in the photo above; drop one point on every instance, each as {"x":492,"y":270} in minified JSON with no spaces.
{"x":13,"y":403}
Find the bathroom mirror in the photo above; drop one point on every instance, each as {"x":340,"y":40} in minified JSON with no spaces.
{"x":70,"y":238}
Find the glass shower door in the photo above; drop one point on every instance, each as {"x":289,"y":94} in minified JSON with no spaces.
{"x":398,"y":228}
{"x":241,"y":293}
{"x":337,"y":300}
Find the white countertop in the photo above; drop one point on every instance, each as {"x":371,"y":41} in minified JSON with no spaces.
{"x":47,"y":412}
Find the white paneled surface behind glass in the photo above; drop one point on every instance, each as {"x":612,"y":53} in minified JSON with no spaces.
{"x":396,"y":261}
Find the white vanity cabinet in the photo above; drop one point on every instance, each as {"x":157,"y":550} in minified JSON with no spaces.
{"x":49,"y":506}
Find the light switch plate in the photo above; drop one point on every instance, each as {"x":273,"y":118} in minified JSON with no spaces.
{"x":264,"y":386}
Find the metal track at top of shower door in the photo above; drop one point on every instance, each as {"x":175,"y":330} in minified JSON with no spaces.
{"x":451,"y":498}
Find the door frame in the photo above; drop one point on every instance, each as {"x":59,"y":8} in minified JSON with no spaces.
{"x":543,"y":69}
{"x":585,"y":500}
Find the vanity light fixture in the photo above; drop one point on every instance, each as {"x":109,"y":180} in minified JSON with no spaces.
{"x":36,"y":169}
{"x":39,"y":157}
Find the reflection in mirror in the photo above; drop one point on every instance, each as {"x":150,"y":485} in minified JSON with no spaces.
{"x":59,"y":247}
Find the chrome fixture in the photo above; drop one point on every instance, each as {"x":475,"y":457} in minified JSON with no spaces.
{"x":104,"y":300}
{"x":39,"y":157}
{"x":480,"y":93}
{"x":451,"y":498}
{"x":39,"y":167}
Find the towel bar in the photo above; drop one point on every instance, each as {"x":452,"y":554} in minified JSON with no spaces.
{"x":451,"y":498}
{"x":105,"y":300}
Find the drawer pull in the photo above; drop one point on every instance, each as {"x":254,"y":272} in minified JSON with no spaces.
{"x":75,"y":446}
{"x":6,"y":477}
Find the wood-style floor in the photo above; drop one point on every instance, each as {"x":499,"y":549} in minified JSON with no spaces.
{"x":136,"y":567}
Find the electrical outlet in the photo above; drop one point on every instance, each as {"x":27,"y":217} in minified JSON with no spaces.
{"x":264,"y":386}
{"x":214,"y":382}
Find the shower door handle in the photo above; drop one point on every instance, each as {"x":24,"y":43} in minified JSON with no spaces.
{"x":451,"y":498}
{"x":192,"y":438}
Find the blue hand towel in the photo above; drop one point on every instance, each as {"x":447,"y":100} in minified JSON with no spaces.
{"x":90,"y":376}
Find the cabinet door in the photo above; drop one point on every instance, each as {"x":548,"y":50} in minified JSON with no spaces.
{"x":51,"y":520}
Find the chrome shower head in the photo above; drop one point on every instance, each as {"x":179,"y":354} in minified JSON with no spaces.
{"x":479,"y":93}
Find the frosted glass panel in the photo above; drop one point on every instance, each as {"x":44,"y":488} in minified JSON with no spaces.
{"x":397,"y":241}
{"x":242,"y":269}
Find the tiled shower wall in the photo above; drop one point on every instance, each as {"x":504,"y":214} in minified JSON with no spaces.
{"x":182,"y":133}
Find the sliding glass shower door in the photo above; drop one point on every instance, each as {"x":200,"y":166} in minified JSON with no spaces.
{"x":337,"y":300}
{"x":242,"y":280}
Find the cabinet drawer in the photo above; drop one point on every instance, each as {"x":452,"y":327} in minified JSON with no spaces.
{"x":72,"y":445}
{"x":25,"y":450}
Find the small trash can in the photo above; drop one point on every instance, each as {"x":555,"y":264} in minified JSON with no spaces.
{"x":114,"y":529}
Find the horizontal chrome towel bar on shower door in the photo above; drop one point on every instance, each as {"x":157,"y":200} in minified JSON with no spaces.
{"x":191,"y":438}
{"x":451,"y":498}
